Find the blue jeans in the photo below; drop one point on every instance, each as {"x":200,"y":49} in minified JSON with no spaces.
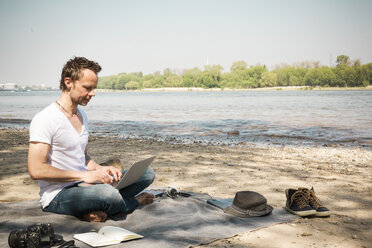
{"x":77,"y":201}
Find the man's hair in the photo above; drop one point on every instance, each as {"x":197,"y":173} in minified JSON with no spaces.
{"x":73,"y":68}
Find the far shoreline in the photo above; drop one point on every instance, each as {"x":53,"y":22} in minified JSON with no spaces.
{"x":186,"y":89}
{"x":278,"y":88}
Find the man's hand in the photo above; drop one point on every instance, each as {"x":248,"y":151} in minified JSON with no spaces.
{"x":99,"y":175}
{"x":103,"y":174}
{"x":114,"y":172}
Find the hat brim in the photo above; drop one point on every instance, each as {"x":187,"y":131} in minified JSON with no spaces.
{"x":248,"y":213}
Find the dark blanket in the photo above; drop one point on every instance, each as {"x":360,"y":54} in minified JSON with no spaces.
{"x":167,"y":222}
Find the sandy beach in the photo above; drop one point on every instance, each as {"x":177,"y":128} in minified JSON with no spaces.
{"x":340,"y":176}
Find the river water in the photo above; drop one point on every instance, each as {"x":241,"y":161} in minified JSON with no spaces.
{"x":290,"y":118}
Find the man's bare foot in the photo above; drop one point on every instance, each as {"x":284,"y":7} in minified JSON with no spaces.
{"x":95,"y":216}
{"x":145,"y":198}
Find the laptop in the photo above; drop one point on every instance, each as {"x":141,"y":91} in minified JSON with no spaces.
{"x":131,"y":176}
{"x":133,"y":173}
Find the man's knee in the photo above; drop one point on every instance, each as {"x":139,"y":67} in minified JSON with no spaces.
{"x":107,"y":193}
{"x":82,"y":200}
{"x":148,"y":176}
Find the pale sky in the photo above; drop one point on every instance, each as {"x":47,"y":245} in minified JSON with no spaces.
{"x":38,"y":36}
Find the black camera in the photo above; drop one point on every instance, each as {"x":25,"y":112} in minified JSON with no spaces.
{"x":35,"y":236}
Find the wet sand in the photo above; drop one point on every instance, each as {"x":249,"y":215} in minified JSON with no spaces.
{"x":341,"y":178}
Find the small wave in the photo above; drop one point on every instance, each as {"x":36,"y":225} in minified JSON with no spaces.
{"x":215,"y":133}
{"x":14,"y":121}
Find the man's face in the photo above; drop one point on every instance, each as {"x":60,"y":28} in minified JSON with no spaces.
{"x":83,"y":89}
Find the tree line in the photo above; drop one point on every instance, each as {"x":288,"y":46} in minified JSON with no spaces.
{"x":346,"y":73}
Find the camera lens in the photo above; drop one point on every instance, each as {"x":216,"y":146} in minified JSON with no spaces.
{"x":172,"y":192}
{"x":17,"y":239}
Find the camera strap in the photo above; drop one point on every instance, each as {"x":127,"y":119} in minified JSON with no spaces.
{"x":68,"y":244}
{"x":58,"y":240}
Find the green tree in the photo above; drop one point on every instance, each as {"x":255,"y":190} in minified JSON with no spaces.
{"x":238,"y":66}
{"x":268,"y":79}
{"x":327,"y":76}
{"x":323,"y":76}
{"x":189,"y":77}
{"x":291,"y":76}
{"x":132,"y":85}
{"x":253,"y":75}
{"x":210,"y":77}
{"x":295,"y":81}
{"x":121,"y":81}
{"x":242,"y":77}
{"x":157,"y":81}
{"x":312,"y":78}
{"x":348,"y":76}
{"x":367,"y":74}
{"x":167,"y":72}
{"x":147,"y":84}
{"x":173,"y":81}
{"x":107,"y":82}
{"x":238,"y":76}
{"x":342,"y":60}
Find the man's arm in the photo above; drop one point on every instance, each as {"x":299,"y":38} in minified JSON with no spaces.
{"x":39,"y":169}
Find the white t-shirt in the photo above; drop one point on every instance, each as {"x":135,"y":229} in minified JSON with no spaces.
{"x":67,"y":146}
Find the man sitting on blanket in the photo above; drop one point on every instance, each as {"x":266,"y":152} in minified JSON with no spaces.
{"x":58,"y":158}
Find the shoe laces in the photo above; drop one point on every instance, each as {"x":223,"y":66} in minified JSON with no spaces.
{"x":301,"y":198}
{"x":313,"y":199}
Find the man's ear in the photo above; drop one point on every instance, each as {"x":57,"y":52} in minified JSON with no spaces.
{"x":69,"y":83}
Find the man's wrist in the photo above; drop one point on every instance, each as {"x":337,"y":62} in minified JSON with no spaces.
{"x":87,"y":158}
{"x":92,"y":165}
